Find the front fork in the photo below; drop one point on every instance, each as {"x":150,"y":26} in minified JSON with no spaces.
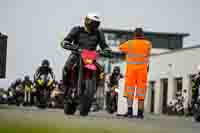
{"x":89,"y":84}
{"x":80,"y":73}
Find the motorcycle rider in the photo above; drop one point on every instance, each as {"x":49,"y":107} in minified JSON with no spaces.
{"x":45,"y":70}
{"x":84,"y":37}
{"x":27,"y":85}
{"x":14,"y":84}
{"x":115,"y":76}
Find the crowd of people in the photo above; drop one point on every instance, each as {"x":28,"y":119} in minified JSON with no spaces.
{"x":25,"y":91}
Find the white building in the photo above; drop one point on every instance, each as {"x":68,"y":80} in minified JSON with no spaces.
{"x":170,"y":68}
{"x":169,"y":72}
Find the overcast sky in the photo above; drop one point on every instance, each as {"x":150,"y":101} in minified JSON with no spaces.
{"x":34,"y":27}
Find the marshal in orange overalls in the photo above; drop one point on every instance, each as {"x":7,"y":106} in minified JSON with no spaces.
{"x":137,"y":57}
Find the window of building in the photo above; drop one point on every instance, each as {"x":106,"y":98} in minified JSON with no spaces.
{"x":152,"y":94}
{"x":159,"y":42}
{"x":178,"y":84}
{"x":164,"y":87}
{"x":175,"y":42}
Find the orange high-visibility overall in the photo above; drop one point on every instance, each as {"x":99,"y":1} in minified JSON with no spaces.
{"x":137,"y":57}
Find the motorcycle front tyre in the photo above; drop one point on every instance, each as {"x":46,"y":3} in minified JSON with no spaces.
{"x":111,"y":106}
{"x":69,"y":108}
{"x":87,"y":97}
{"x":196,"y":117}
{"x":42,"y":100}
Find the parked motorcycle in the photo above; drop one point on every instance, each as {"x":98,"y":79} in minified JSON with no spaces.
{"x":196,"y":106}
{"x":44,"y":85}
{"x":176,"y":107}
{"x":81,"y":90}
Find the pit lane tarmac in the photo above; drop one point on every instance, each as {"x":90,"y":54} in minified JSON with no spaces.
{"x":101,"y":118}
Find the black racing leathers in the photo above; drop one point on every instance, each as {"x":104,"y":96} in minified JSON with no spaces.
{"x":43,"y":71}
{"x":82,"y":39}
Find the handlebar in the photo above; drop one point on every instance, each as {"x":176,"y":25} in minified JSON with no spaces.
{"x":69,"y":46}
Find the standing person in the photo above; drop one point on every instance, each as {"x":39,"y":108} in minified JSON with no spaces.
{"x":45,"y":70}
{"x":27,"y":86}
{"x":137,"y":57}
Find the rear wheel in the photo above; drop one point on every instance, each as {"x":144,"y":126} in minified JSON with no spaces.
{"x":196,"y":116}
{"x":85,"y":105}
{"x":112,"y":104}
{"x":69,"y":108}
{"x":196,"y":112}
{"x":181,"y":112}
{"x":111,"y":108}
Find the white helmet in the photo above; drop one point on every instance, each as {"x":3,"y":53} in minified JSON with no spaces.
{"x":92,"y":21}
{"x":94,"y":17}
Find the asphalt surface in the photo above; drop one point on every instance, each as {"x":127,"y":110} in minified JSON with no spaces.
{"x":165,"y":123}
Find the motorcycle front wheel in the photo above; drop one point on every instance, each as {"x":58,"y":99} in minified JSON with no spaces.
{"x":69,"y":108}
{"x":42,"y":99}
{"x":86,"y":97}
{"x":112,"y":107}
{"x":196,"y":113}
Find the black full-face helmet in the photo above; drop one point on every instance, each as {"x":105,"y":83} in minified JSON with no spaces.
{"x":45,"y":63}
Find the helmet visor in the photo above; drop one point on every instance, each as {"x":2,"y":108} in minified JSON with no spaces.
{"x":91,"y":24}
{"x":95,"y":24}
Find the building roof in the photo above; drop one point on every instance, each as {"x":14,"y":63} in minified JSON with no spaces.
{"x":177,"y":50}
{"x":146,"y":32}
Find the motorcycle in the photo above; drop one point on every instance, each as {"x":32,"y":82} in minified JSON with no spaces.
{"x":112,"y":99}
{"x":43,"y":89}
{"x":180,"y":108}
{"x":81,"y":90}
{"x":176,"y":107}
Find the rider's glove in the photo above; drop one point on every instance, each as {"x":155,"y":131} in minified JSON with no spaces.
{"x":63,"y":43}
